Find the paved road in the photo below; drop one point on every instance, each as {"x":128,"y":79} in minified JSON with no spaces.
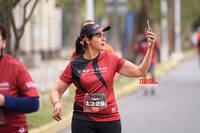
{"x":174,"y":109}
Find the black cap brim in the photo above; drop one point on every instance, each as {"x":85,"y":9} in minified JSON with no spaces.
{"x":102,"y":29}
{"x":107,"y":28}
{"x":95,"y":29}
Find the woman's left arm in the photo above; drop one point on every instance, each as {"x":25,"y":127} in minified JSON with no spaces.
{"x":131,"y":70}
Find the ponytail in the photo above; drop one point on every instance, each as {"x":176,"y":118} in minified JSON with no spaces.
{"x":80,"y":41}
{"x":80,"y":45}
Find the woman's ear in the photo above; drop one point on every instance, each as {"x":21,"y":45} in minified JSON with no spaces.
{"x":87,"y":40}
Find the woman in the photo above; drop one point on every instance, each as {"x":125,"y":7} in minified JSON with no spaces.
{"x":92,"y":72}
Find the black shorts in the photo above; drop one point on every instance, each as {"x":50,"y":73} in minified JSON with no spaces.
{"x":84,"y":126}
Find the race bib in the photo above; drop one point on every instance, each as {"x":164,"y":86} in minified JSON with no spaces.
{"x":94,"y":103}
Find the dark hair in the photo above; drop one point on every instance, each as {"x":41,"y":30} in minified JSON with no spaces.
{"x":79,"y":48}
{"x":3,"y":31}
{"x":80,"y":41}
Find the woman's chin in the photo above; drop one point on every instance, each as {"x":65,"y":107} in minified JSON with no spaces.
{"x":102,"y":48}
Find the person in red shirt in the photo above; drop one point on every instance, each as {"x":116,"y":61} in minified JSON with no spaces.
{"x":92,"y":72}
{"x":18,"y":93}
{"x":141,"y":47}
{"x":196,"y":42}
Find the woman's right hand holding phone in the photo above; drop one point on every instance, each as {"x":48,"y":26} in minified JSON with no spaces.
{"x":150,"y":37}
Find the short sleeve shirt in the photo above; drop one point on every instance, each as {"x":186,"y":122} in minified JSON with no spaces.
{"x":94,"y":76}
{"x":15,"y":81}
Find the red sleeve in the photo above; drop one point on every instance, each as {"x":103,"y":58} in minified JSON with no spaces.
{"x":25,"y":83}
{"x":119,"y":62}
{"x":66,"y":76}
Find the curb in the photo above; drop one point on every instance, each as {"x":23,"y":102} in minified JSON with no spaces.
{"x":161,"y":68}
{"x":55,"y":126}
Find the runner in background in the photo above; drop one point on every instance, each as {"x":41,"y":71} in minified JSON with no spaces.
{"x":18,"y":93}
{"x":196,"y":42}
{"x":141,"y":47}
{"x":92,"y":72}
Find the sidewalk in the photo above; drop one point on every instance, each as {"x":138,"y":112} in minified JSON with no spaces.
{"x":60,"y":65}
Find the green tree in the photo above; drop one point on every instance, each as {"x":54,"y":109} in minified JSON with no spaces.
{"x":190,"y":11}
{"x":190,"y":20}
{"x":10,"y":22}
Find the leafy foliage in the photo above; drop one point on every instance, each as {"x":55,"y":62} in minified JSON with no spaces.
{"x":65,"y":4}
{"x":10,"y":22}
{"x":190,"y":12}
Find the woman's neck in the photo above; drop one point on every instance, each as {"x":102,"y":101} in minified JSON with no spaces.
{"x":90,"y":54}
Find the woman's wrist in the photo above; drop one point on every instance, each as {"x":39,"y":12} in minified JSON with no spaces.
{"x":54,"y":103}
{"x":150,"y":47}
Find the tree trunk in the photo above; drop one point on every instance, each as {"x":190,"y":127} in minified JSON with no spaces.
{"x":9,"y":5}
{"x":16,"y":50}
{"x":6,"y":10}
{"x":171,"y":28}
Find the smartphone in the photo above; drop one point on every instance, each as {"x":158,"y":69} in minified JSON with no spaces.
{"x":148,"y":25}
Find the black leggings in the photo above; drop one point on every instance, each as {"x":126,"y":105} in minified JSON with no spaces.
{"x":84,"y":126}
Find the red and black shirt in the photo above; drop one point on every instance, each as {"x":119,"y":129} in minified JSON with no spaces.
{"x":94,"y":76}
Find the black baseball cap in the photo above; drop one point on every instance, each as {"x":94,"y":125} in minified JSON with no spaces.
{"x":93,"y":29}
